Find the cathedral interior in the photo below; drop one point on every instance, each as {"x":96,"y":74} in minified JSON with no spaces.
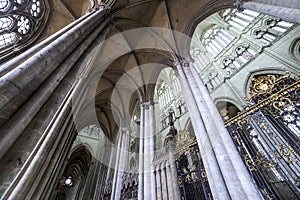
{"x":149,"y":99}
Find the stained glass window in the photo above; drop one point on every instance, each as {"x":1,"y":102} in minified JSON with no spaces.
{"x":21,"y":21}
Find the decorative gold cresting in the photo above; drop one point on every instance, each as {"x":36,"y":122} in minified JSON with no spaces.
{"x":265,"y":86}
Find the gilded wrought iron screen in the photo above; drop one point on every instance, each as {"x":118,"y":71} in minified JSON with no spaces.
{"x":192,"y":178}
{"x":267,"y":135}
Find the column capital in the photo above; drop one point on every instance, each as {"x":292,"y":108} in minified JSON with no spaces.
{"x":184,"y":62}
{"x":146,"y":105}
{"x":177,"y":62}
{"x":124,"y":129}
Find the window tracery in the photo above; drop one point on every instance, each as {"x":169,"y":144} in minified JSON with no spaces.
{"x":239,"y":20}
{"x":216,"y":39}
{"x":214,"y":79}
{"x":271,"y":29}
{"x":230,"y":65}
{"x":21,"y":22}
{"x":244,"y":53}
{"x":229,"y":43}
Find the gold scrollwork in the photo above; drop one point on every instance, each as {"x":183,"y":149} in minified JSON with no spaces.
{"x":193,"y":168}
{"x":263,"y":163}
{"x":283,"y":102}
{"x":286,"y":152}
{"x":262,"y":85}
{"x":249,"y":163}
{"x":184,"y":170}
{"x":179,"y":181}
{"x":188,"y":178}
{"x":237,"y":139}
{"x":203,"y":174}
{"x":277,"y":100}
{"x":267,"y":194}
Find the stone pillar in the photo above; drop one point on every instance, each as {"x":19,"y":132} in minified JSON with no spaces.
{"x":236,"y":177}
{"x":27,"y":181}
{"x":151,"y":150}
{"x":158,"y":183}
{"x":147,"y":149}
{"x":239,"y":176}
{"x":288,"y":10}
{"x":174,"y":175}
{"x":141,"y":157}
{"x":22,"y":94}
{"x":146,"y":154}
{"x":164,"y":188}
{"x":169,"y":181}
{"x":113,"y":191}
{"x":32,"y":72}
{"x":97,"y":172}
{"x":213,"y":172}
{"x":122,"y":161}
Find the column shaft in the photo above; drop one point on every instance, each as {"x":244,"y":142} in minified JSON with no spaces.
{"x":214,"y":175}
{"x":11,"y":64}
{"x":237,"y":178}
{"x":152,"y":135}
{"x":123,"y":161}
{"x":174,"y":176}
{"x":164,"y":188}
{"x":113,"y":191}
{"x":46,"y":60}
{"x":34,"y":163}
{"x":147,"y":153}
{"x":21,"y":119}
{"x":141,"y":157}
{"x":169,"y":182}
{"x":158,"y":183}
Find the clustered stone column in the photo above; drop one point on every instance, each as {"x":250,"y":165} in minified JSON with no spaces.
{"x":173,"y":170}
{"x":166,"y":175}
{"x":227,"y":175}
{"x":146,"y":154}
{"x":36,"y":92}
{"x":120,"y":166}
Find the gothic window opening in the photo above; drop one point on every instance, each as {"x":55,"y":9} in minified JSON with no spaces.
{"x":168,"y":94}
{"x":231,"y":39}
{"x":21,"y":22}
{"x":271,"y":29}
{"x":216,"y":39}
{"x":239,"y":20}
{"x":230,"y":65}
{"x":244,"y":53}
{"x":164,"y":95}
{"x":266,"y":134}
{"x":74,"y":176}
{"x":68,"y":181}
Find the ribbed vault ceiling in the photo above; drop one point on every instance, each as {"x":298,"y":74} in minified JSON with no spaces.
{"x":139,"y":67}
